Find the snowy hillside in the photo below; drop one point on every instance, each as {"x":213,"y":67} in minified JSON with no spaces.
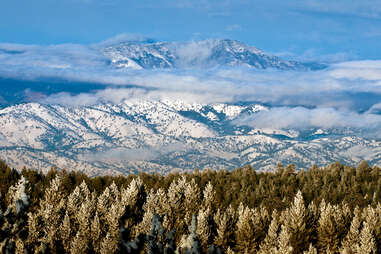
{"x":162,"y":136}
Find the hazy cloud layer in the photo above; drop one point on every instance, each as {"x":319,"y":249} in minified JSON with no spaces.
{"x":304,"y":118}
{"x":140,"y":154}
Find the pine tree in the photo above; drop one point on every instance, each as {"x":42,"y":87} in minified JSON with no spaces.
{"x":244,"y":234}
{"x":113,"y":227}
{"x":367,"y":244}
{"x":225,"y":224}
{"x":284,"y":245}
{"x":14,"y":220}
{"x":66,"y":232}
{"x":271,"y":239}
{"x":328,"y":238}
{"x":176,"y":209}
{"x":192,"y":200}
{"x":350,"y":242}
{"x":96,"y":233}
{"x":203,"y":227}
{"x":295,"y":219}
{"x":108,"y":245}
{"x":372,"y":217}
{"x":191,"y":243}
{"x":78,"y":244}
{"x":208,"y":196}
{"x":51,"y":212}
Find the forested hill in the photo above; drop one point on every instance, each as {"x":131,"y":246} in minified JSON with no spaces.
{"x":331,"y":209}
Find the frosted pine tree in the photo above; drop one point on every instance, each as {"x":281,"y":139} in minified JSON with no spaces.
{"x":377,"y":230}
{"x":367,"y":243}
{"x":104,"y":202}
{"x":14,"y":220}
{"x":80,"y":194}
{"x":132,"y":202}
{"x":271,"y":239}
{"x":350,"y":243}
{"x":208,"y":197}
{"x":108,"y":245}
{"x":191,"y":243}
{"x":96,"y":233}
{"x":157,"y":202}
{"x":51,"y":212}
{"x":176,"y":209}
{"x":83,"y":217}
{"x":328,"y":238}
{"x":113,"y":228}
{"x":18,"y":199}
{"x":192,"y":200}
{"x":203,"y":227}
{"x":244,"y":234}
{"x":130,"y":194}
{"x":78,"y":244}
{"x":34,"y":228}
{"x":284,"y":245}
{"x":372,"y":217}
{"x":225,"y":223}
{"x":66,"y":232}
{"x":109,"y":210}
{"x":295,"y":219}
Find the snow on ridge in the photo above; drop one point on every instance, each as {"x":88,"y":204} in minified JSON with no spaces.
{"x":199,"y":54}
{"x":176,"y":135}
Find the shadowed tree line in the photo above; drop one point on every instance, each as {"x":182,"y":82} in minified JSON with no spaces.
{"x":335,"y":209}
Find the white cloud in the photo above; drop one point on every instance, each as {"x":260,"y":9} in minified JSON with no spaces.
{"x":139,"y":154}
{"x":304,"y":118}
{"x":48,"y":60}
{"x":360,"y":8}
{"x":367,"y":70}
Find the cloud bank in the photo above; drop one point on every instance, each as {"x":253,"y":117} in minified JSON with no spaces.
{"x":139,"y":154}
{"x":304,"y":118}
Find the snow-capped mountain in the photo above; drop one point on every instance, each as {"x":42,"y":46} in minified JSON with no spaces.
{"x":198,"y":54}
{"x":160,"y":136}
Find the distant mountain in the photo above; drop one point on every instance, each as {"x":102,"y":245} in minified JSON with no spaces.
{"x":197,"y":54}
{"x":160,"y":136}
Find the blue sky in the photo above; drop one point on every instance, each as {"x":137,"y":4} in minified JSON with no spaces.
{"x":310,"y":29}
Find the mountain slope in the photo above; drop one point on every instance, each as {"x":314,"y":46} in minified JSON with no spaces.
{"x":200,"y":54}
{"x":162,"y":136}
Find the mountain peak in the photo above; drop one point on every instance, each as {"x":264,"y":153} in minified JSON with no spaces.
{"x":210,"y":53}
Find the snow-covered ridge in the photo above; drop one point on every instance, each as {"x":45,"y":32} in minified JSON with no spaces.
{"x":160,"y":136}
{"x":195,"y":54}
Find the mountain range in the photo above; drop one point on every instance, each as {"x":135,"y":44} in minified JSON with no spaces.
{"x":162,"y":136}
{"x":198,"y":54}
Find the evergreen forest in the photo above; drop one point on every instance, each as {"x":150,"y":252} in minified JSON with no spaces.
{"x":333,"y":209}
